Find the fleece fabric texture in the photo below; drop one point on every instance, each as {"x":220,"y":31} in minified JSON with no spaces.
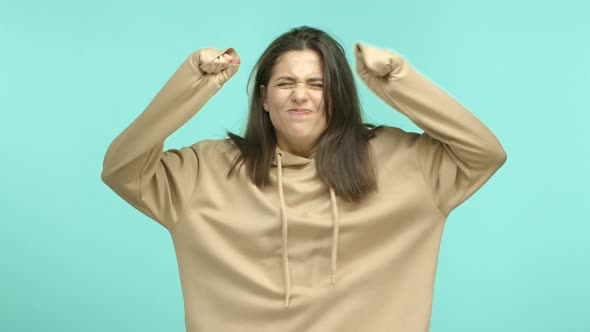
{"x":295,"y":257}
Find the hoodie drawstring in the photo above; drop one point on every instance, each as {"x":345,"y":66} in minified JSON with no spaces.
{"x":335,"y":231}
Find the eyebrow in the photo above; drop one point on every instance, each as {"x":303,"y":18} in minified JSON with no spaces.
{"x":291,"y":78}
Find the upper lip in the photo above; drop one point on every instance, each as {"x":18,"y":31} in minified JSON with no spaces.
{"x":300,"y":109}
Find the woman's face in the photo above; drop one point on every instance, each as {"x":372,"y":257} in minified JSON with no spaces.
{"x":294,"y":101}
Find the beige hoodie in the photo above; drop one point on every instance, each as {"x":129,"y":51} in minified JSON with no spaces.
{"x":294,"y":257}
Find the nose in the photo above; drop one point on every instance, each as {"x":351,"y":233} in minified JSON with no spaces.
{"x":300,"y":92}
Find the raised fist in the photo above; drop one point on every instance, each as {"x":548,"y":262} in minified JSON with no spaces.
{"x":217,"y":65}
{"x":373,"y":62}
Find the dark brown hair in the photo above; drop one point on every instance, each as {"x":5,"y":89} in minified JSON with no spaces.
{"x":342,"y":155}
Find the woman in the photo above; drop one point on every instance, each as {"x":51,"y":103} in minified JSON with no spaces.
{"x":340,"y":219}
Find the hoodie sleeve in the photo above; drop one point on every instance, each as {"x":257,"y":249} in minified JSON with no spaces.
{"x":160,"y":183}
{"x":456,"y":153}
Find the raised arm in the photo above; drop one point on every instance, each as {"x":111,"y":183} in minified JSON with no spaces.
{"x":457,"y":153}
{"x":156,"y":182}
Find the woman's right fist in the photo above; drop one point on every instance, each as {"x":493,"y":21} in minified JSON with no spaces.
{"x":217,"y":65}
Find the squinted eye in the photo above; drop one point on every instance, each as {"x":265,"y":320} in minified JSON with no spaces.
{"x":312,"y":85}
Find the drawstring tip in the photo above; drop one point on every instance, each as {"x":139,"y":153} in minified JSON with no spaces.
{"x":286,"y":302}
{"x":333,"y":278}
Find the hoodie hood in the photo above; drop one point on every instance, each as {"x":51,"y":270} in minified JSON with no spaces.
{"x":283,"y":159}
{"x":289,"y":159}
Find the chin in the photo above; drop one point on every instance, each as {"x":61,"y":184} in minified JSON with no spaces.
{"x":302,"y":135}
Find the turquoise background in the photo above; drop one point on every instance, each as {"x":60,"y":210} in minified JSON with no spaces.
{"x":75,"y":257}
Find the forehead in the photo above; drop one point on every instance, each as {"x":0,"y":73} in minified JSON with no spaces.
{"x":298,"y":64}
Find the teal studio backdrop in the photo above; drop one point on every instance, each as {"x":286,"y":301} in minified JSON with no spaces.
{"x":74,"y":74}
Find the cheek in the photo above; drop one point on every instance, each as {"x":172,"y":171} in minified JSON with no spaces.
{"x":319,"y":101}
{"x":278,"y":97}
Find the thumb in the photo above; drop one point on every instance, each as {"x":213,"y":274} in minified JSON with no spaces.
{"x":232,"y":67}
